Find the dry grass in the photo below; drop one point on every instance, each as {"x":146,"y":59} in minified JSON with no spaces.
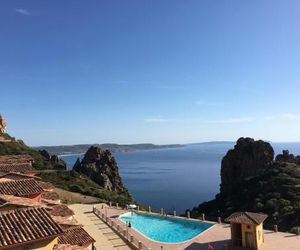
{"x":71,"y":197}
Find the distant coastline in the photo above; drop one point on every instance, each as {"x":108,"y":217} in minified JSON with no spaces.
{"x":68,"y":150}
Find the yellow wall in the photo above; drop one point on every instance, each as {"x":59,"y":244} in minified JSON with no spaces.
{"x":257,"y":232}
{"x":260,"y":235}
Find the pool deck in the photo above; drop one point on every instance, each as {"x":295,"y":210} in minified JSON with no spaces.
{"x":218,"y":236}
{"x":106,"y":239}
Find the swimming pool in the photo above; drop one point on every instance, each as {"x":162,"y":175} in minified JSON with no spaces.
{"x":165,"y":229}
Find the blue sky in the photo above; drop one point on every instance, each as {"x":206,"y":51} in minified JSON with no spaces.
{"x":150,"y":71}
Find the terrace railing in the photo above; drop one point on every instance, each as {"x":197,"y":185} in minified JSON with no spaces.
{"x":121,"y":230}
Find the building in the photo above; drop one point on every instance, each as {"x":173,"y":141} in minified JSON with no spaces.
{"x":51,"y":197}
{"x":10,"y":202}
{"x":14,"y":176}
{"x":62,"y":211}
{"x":247,"y":229}
{"x":76,"y":236}
{"x":28,"y":188}
{"x":24,"y":168}
{"x":28,"y":229}
{"x":15,"y":159}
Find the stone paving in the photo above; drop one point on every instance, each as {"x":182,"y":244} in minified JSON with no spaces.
{"x":105,"y":238}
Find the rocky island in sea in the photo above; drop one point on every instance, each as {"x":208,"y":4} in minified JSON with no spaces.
{"x":252,"y":180}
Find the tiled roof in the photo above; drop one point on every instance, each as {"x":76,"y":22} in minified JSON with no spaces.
{"x":20,"y":187}
{"x":247,"y":218}
{"x":46,"y":185}
{"x":50,"y":196}
{"x":17,"y":167}
{"x":17,"y":176}
{"x":61,"y":210}
{"x":75,"y":236}
{"x":23,"y":226}
{"x":63,"y":221}
{"x":10,"y":159}
{"x":19,"y":201}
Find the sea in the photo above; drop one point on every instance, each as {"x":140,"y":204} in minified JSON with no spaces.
{"x":175,"y":178}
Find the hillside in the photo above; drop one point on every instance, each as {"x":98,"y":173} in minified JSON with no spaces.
{"x":18,"y":147}
{"x":53,"y":170}
{"x":81,"y":148}
{"x":253,"y":181}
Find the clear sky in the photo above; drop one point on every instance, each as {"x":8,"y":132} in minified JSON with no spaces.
{"x":161,"y":71}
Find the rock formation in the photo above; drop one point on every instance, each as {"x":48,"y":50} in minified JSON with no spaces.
{"x":252,"y":181}
{"x":248,"y":158}
{"x":287,"y":157}
{"x":101,"y":167}
{"x":3,"y":124}
{"x":53,"y":160}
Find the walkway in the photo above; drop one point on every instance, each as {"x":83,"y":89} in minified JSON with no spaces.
{"x":105,"y":238}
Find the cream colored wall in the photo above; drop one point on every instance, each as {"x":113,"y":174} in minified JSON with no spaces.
{"x":259,"y":235}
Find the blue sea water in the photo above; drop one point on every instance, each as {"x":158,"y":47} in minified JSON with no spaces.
{"x":165,"y":229}
{"x":176,"y":178}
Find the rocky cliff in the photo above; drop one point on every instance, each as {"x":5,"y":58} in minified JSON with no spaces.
{"x":101,"y":167}
{"x":248,"y":158}
{"x":252,"y":181}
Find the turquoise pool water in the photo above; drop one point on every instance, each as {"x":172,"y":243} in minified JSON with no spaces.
{"x":165,"y":229}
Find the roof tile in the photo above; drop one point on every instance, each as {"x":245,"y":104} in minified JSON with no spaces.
{"x":23,"y":226}
{"x":20,"y":187}
{"x":247,"y":218}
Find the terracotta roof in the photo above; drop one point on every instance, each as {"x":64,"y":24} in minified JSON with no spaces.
{"x":50,"y":196}
{"x":20,"y":187}
{"x":69,"y":247}
{"x":9,"y":159}
{"x":46,"y":185}
{"x":63,"y":221}
{"x":17,"y":176}
{"x":76,"y":236}
{"x":17,"y":168}
{"x":19,"y":201}
{"x":61,"y":210}
{"x":247,"y":218}
{"x":23,"y":226}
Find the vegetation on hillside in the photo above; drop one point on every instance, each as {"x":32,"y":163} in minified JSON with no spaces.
{"x":18,"y":147}
{"x":274,"y":190}
{"x":79,"y":183}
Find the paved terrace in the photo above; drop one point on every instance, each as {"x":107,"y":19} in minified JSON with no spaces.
{"x":106,"y":239}
{"x":218,"y":235}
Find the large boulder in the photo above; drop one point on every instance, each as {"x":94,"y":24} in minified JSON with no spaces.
{"x":247,"y":159}
{"x":102,"y":168}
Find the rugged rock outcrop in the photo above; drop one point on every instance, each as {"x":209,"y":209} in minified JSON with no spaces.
{"x":101,"y":167}
{"x":287,"y":157}
{"x":253,"y":181}
{"x":53,"y":160}
{"x":248,"y":158}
